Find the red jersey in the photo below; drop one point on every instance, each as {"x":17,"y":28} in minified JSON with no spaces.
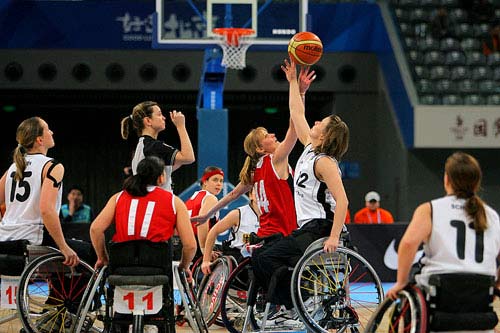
{"x":275,"y":200}
{"x":194,"y":204}
{"x":151,"y":217}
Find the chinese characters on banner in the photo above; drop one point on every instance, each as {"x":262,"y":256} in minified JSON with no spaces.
{"x":457,"y":127}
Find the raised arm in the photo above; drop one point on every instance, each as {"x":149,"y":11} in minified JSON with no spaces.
{"x":230,"y":220}
{"x":186,"y":154}
{"x":237,"y":192}
{"x":296,"y":102}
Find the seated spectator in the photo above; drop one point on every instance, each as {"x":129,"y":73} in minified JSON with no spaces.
{"x":372,"y":213}
{"x":75,"y":210}
{"x":491,"y":43}
{"x":440,"y":24}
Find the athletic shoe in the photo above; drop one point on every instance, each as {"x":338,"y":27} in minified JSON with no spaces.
{"x":287,"y":319}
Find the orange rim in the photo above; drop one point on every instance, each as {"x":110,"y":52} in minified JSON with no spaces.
{"x":233,"y":34}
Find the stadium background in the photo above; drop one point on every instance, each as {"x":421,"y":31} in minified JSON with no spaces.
{"x":48,"y":48}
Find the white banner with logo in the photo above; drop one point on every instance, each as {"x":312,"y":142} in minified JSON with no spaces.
{"x":457,"y":127}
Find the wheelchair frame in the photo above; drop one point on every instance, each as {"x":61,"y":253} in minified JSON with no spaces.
{"x":100,"y":290}
{"x":38,"y":258}
{"x":414,"y":311}
{"x":333,"y":304}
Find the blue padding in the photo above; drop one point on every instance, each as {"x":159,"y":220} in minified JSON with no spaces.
{"x":213,"y":142}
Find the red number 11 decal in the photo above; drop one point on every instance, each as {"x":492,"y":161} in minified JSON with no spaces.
{"x":148,"y":298}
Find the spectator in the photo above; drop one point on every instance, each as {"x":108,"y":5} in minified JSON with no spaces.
{"x":75,"y":210}
{"x":450,"y":228}
{"x":491,"y":43}
{"x":440,"y":25}
{"x":372,"y":213}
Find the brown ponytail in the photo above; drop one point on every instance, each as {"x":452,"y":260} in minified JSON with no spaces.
{"x":139,"y":112}
{"x":26,"y":135}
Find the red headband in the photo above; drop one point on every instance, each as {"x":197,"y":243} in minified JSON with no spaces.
{"x":209,"y":174}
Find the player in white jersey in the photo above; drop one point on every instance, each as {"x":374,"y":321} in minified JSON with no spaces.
{"x":148,"y":121}
{"x":319,"y":194}
{"x":31,"y":189}
{"x":451,"y":229}
{"x":242,"y":220}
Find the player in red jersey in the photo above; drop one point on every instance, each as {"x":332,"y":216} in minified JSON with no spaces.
{"x":266,"y":169}
{"x":143,"y":210}
{"x":201,"y":201}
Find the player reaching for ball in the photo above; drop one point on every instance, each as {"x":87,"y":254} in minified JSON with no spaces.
{"x":320,"y":198}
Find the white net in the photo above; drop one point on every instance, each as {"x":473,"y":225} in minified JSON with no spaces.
{"x":234,"y":49}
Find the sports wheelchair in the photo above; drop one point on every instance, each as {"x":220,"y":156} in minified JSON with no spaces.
{"x":40,"y":291}
{"x":136,"y":290}
{"x":453,"y":302}
{"x":332,"y":292}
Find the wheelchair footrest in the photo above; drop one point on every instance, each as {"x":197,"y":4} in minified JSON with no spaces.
{"x":144,"y":280}
{"x":444,"y":321}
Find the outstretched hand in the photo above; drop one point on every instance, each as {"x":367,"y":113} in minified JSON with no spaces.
{"x":200,"y":219}
{"x":290,"y":70}
{"x":306,"y":77}
{"x":177,"y":118}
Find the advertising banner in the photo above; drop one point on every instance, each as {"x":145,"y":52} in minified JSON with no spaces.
{"x":457,"y":127}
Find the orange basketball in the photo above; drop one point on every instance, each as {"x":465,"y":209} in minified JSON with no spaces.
{"x":305,"y":48}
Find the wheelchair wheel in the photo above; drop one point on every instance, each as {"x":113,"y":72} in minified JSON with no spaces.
{"x":406,"y":314}
{"x":210,"y":289}
{"x":243,"y":303}
{"x":50,"y":292}
{"x":335,"y":292}
{"x":91,"y":311}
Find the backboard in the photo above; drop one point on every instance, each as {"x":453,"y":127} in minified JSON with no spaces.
{"x":190,"y":23}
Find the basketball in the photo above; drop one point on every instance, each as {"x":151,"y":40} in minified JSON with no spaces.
{"x":305,"y":48}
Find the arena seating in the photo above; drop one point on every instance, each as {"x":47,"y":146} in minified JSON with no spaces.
{"x":451,"y":70}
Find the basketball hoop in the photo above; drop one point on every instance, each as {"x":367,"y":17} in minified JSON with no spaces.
{"x":234,"y":43}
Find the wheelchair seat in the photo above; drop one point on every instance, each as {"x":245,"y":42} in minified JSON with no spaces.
{"x":451,"y":302}
{"x":461,"y":301}
{"x":13,"y":257}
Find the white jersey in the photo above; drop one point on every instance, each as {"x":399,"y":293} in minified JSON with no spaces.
{"x":22,"y":218}
{"x":312,"y":198}
{"x":249,"y":222}
{"x":454,"y":246}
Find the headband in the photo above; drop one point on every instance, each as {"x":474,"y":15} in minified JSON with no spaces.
{"x":209,"y":174}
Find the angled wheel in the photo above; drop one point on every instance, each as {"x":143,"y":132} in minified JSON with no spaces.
{"x":210,"y":289}
{"x":91,"y":312}
{"x":192,"y":308}
{"x":50,"y":293}
{"x":243,"y":302}
{"x":335,"y":292}
{"x":406,"y":314}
